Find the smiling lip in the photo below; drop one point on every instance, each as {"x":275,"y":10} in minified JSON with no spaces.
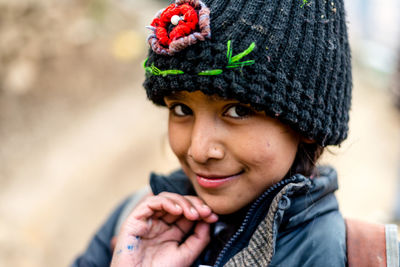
{"x":214,"y":181}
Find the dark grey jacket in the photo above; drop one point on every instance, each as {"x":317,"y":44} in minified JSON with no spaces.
{"x":294,"y":223}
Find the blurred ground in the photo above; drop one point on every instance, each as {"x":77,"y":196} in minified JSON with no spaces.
{"x":77,"y":136}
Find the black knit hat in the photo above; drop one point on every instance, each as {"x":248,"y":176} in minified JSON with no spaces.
{"x":289,"y":58}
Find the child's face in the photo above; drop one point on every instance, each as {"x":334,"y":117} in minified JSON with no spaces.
{"x":230,"y":152}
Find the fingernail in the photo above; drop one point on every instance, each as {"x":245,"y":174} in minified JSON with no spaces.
{"x":205,"y":207}
{"x":193,"y":211}
{"x":214,"y":217}
{"x":178,"y":207}
{"x":149,"y":222}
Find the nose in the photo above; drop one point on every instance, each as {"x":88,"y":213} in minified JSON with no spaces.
{"x":206,"y":141}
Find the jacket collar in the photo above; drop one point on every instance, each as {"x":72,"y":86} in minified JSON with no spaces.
{"x":299,"y":199}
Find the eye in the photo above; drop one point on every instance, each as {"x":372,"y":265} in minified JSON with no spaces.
{"x":180,"y":110}
{"x":238,"y":111}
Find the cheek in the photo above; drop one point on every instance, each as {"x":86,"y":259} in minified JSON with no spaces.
{"x":274,"y":153}
{"x":178,"y":139}
{"x":251,"y":149}
{"x":261,"y":153}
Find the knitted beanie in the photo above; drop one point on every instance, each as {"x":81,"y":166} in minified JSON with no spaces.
{"x":289,"y":58}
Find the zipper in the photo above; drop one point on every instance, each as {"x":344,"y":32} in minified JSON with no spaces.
{"x":249,"y":215}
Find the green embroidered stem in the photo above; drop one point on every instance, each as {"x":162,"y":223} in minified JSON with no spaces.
{"x":304,"y":3}
{"x":244,"y":53}
{"x":210,"y":72}
{"x":229,"y":52}
{"x":147,"y":69}
{"x":234,"y":62}
{"x":156,"y":71}
{"x":167,"y":72}
{"x":241,"y":64}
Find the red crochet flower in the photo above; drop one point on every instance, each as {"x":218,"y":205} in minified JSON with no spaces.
{"x":186,"y":25}
{"x":180,"y":25}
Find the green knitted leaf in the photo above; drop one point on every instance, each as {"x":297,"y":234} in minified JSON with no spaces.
{"x":156,"y":71}
{"x":168,"y":72}
{"x":229,"y":52}
{"x":241,"y":64}
{"x":147,"y":69}
{"x":234,"y":62}
{"x":210,"y":72}
{"x":244,"y":53}
{"x":304,"y":3}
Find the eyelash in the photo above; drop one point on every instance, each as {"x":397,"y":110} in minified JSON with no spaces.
{"x":173,"y":106}
{"x":248,"y":110}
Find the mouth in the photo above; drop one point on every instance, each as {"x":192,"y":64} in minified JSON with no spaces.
{"x":216,"y":180}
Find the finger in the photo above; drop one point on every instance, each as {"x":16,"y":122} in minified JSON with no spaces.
{"x":159,"y":205}
{"x":189,"y":211}
{"x":134,"y":227}
{"x":170,"y":218}
{"x":184,"y":225}
{"x":137,"y":221}
{"x":211,"y":219}
{"x":113,"y":243}
{"x":203,"y":210}
{"x":151,"y":206}
{"x":195,"y":243}
{"x":158,"y":214}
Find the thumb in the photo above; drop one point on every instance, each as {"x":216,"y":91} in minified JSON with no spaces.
{"x":195,"y":243}
{"x":113,"y":243}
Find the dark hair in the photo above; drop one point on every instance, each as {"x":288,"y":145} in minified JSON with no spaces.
{"x":306,"y":159}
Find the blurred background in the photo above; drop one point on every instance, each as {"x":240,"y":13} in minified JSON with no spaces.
{"x":77,"y":135}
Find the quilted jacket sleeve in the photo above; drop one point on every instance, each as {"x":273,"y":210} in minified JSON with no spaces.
{"x":98,"y":252}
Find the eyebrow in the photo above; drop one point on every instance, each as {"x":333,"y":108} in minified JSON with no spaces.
{"x":176,"y":96}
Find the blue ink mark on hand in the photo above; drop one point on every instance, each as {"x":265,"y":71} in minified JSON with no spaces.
{"x":135,"y":244}
{"x":119,"y":251}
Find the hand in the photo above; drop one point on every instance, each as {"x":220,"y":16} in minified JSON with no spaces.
{"x":156,"y":233}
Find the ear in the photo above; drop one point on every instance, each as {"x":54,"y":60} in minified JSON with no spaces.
{"x":307,"y":140}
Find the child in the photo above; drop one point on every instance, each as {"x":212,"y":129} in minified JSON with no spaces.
{"x":255,"y":91}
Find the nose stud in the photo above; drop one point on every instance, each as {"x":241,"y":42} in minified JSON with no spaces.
{"x":217,"y":153}
{"x":211,"y":153}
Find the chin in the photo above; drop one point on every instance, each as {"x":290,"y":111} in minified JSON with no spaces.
{"x":225,"y":211}
{"x":222,"y":209}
